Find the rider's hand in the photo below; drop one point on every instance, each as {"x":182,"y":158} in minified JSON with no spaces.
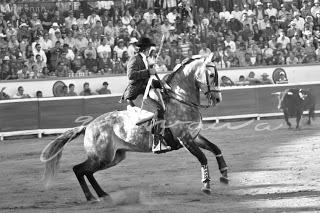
{"x":152,"y":71}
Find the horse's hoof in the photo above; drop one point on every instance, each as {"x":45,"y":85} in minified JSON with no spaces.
{"x":206,"y":190}
{"x":224,"y":180}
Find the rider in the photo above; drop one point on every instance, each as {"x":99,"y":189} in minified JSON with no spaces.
{"x":139,"y":72}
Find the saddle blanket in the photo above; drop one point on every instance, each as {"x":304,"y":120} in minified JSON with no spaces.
{"x":128,"y":129}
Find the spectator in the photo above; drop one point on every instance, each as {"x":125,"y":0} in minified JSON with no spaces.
{"x":291,"y":59}
{"x":21,"y":94}
{"x":242,"y":81}
{"x":252,"y":80}
{"x":204,"y":50}
{"x":120,"y":48}
{"x":86,"y":90}
{"x":104,"y":89}
{"x":71,"y":90}
{"x":104,"y":48}
{"x":225,"y":82}
{"x":39,"y":94}
{"x":265,"y":79}
{"x":282,"y":79}
{"x":3,"y":95}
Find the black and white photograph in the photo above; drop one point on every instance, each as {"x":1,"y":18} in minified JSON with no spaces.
{"x":159,"y":106}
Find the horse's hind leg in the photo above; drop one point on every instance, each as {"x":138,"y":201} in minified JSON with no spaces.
{"x":119,"y":156}
{"x":80,"y":170}
{"x":204,"y":143}
{"x":89,"y":167}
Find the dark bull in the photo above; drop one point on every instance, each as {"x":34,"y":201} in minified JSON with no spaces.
{"x":294,"y":101}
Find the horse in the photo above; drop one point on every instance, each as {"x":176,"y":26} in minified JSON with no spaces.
{"x":108,"y":137}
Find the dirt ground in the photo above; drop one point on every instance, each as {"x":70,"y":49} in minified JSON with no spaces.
{"x":270,"y":171}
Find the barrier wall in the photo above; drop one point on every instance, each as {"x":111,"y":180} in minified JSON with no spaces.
{"x":54,"y":113}
{"x":117,"y":84}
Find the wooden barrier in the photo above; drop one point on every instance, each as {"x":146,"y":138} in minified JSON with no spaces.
{"x":57,"y":113}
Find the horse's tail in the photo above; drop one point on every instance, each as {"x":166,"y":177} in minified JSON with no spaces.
{"x":52,"y":153}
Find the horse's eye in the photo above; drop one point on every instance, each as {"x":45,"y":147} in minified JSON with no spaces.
{"x":211,"y":75}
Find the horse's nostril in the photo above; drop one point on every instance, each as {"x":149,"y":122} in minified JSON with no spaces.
{"x":218,"y":100}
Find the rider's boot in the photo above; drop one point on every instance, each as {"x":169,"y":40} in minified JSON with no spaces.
{"x":159,"y":145}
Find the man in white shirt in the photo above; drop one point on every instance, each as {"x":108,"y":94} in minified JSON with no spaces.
{"x":165,"y":28}
{"x":298,"y":21}
{"x":172,"y":16}
{"x":53,"y":29}
{"x":315,"y":9}
{"x":283,"y":39}
{"x":237,"y":14}
{"x":45,"y":43}
{"x":93,"y":18}
{"x":230,"y":43}
{"x":104,"y":48}
{"x":247,"y":10}
{"x":39,"y":51}
{"x":224,"y":14}
{"x":105,"y":4}
{"x":271,"y":11}
{"x":149,"y":16}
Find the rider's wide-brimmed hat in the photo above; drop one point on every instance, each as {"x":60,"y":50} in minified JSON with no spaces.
{"x":145,"y":42}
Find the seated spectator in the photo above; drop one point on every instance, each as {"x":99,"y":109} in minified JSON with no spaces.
{"x":104,"y":47}
{"x":265,"y":79}
{"x":225,"y":82}
{"x":86,"y":90}
{"x":242,"y":81}
{"x":104,"y":89}
{"x":252,"y":80}
{"x":291,"y":59}
{"x":120,"y":48}
{"x":39,"y":94}
{"x":71,"y":90}
{"x":21,"y":94}
{"x":116,"y":65}
{"x":282,"y":79}
{"x":90,"y":62}
{"x":204,"y":50}
{"x":90,"y":49}
{"x":64,"y":91}
{"x":24,"y":72}
{"x":3,"y":95}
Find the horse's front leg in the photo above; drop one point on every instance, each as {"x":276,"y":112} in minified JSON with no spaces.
{"x":189,"y":144}
{"x":204,"y":143}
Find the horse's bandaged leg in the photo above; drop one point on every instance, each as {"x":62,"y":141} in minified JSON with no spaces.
{"x":205,"y":177}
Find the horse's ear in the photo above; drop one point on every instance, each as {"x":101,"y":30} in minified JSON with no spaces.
{"x":209,"y":58}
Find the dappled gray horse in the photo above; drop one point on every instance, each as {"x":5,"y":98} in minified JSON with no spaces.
{"x":111,"y":135}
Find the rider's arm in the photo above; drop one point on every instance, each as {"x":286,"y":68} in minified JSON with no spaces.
{"x":134,"y":73}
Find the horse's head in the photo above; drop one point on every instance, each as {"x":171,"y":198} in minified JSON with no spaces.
{"x":208,"y":80}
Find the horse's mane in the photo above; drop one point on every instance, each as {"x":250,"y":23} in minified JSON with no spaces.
{"x":195,"y":61}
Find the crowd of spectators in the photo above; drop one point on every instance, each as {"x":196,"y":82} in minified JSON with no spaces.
{"x":65,"y":91}
{"x":67,"y":42}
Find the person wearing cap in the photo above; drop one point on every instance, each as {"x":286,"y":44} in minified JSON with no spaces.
{"x":120,"y":48}
{"x":24,"y":32}
{"x":299,"y":21}
{"x":265,"y":79}
{"x":104,"y":90}
{"x":139,"y":72}
{"x":53,"y":29}
{"x":132,"y":48}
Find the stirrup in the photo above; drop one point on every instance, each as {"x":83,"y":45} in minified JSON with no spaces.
{"x":160,"y":148}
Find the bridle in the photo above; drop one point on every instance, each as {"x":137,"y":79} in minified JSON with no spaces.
{"x":180,"y":98}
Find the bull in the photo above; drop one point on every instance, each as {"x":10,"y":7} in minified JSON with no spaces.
{"x":294,"y":101}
